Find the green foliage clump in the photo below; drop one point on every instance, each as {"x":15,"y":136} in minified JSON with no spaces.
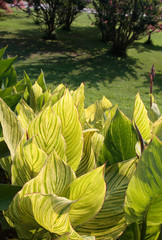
{"x":79,"y":173}
{"x":123,"y":22}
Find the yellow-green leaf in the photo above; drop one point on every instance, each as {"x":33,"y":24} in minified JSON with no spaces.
{"x":46,"y":128}
{"x":89,"y":192}
{"x":35,"y":92}
{"x":78,"y":97}
{"x":140,"y":117}
{"x":87,"y":162}
{"x":28,"y":161}
{"x":25,"y":113}
{"x":48,"y":211}
{"x":144,"y":194}
{"x":71,"y":129}
{"x":12,"y":130}
{"x":120,"y":140}
{"x":97,"y":141}
{"x":54,"y":177}
{"x":110,"y":222}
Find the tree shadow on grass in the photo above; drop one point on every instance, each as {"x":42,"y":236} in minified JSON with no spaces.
{"x":74,"y":58}
{"x":145,"y":47}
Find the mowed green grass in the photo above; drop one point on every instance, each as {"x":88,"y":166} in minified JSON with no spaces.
{"x":80,"y":56}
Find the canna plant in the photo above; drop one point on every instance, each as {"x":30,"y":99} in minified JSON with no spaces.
{"x":80,"y":173}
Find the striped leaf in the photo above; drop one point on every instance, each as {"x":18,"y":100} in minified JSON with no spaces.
{"x":63,"y":237}
{"x":105,"y":103}
{"x":88,"y":237}
{"x":56,"y":96}
{"x":25,"y":113}
{"x":110,"y":113}
{"x":89,"y":192}
{"x":152,"y":232}
{"x":46,"y":128}
{"x":71,"y":129}
{"x":95,"y":111}
{"x":120,"y":140}
{"x":144,"y":193}
{"x":97,"y":141}
{"x":90,"y":112}
{"x":35,"y":92}
{"x":54,"y":178}
{"x":12,"y":130}
{"x":78,"y":97}
{"x":140,"y":117}
{"x":5,"y":163}
{"x":28,"y":162}
{"x":87,"y":162}
{"x":47,"y":211}
{"x":41,"y":234}
{"x":110,"y":222}
{"x":41,"y":82}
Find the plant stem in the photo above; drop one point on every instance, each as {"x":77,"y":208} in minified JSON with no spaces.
{"x":143,"y":230}
{"x":136,"y":231}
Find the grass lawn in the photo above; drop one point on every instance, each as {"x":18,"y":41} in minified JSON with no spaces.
{"x":80,"y":56}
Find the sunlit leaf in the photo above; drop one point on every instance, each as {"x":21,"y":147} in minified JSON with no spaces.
{"x":25,"y":113}
{"x":110,"y":222}
{"x":41,"y":81}
{"x":48,"y":211}
{"x":35,"y":92}
{"x":89,"y":193}
{"x":120,"y":140}
{"x":97,"y":141}
{"x":54,"y":177}
{"x":71,"y":129}
{"x":46,"y":128}
{"x":78,"y":97}
{"x":10,"y":125}
{"x":144,"y":193}
{"x":140,"y":117}
{"x":87,"y":162}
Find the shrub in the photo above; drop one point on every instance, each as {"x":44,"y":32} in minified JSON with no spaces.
{"x":123,"y":22}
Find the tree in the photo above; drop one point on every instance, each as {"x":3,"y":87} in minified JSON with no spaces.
{"x":54,"y":13}
{"x":69,"y":11}
{"x":123,"y":22}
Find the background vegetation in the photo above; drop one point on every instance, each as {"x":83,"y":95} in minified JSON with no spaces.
{"x":80,"y":56}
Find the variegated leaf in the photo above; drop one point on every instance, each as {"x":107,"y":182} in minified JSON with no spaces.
{"x":110,"y":222}
{"x":97,"y":141}
{"x":41,"y":82}
{"x":144,"y":193}
{"x":87,"y":162}
{"x":25,"y":113}
{"x":71,"y":129}
{"x":89,"y":192}
{"x":12,"y":130}
{"x":78,"y":97}
{"x":28,"y":161}
{"x":140,"y":118}
{"x":120,"y":140}
{"x":48,"y":211}
{"x":54,"y":178}
{"x":46,"y":128}
{"x":35,"y":92}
